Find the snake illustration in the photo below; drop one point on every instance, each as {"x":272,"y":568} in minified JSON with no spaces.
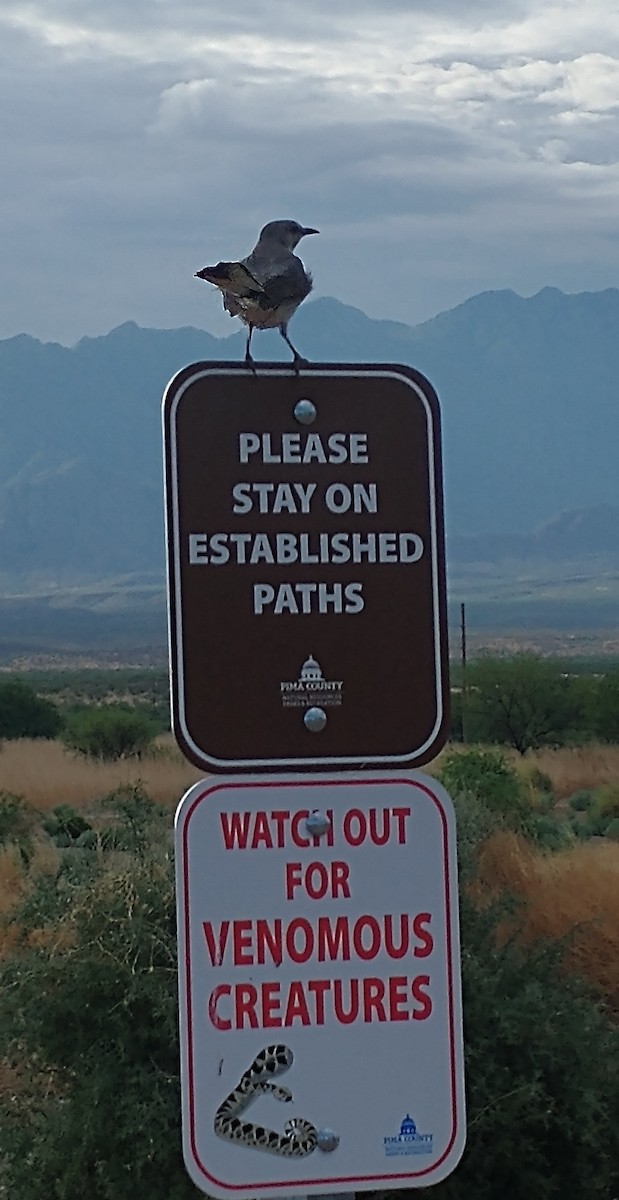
{"x":299,"y":1137}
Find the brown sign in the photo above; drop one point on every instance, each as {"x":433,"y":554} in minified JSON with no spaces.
{"x":306,"y":566}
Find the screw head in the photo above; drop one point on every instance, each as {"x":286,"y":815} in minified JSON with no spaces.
{"x":305,"y":412}
{"x":317,"y":823}
{"x":315,"y":719}
{"x":327,"y":1140}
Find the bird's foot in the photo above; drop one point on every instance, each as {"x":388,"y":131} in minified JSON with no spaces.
{"x":251,"y":363}
{"x":298,"y":362}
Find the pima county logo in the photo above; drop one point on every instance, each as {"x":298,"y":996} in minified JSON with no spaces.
{"x":311,"y":688}
{"x":408,"y":1140}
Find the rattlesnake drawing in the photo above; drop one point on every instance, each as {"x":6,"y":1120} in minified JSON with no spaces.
{"x":299,"y":1136}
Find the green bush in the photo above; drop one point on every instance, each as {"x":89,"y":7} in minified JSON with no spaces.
{"x":111,"y":732}
{"x":485,"y":775}
{"x":65,"y":826}
{"x":12,"y":812}
{"x":137,"y":820}
{"x":23,"y":714}
{"x":612,"y":830}
{"x":596,"y":824}
{"x":17,"y":823}
{"x":539,"y":786}
{"x":549,"y":834}
{"x":89,"y":1021}
{"x":606,"y":801}
{"x":581,"y":801}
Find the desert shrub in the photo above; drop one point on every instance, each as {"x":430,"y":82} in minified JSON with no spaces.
{"x":88,"y":840}
{"x":528,"y":1026}
{"x":581,"y":801}
{"x":538,"y":785}
{"x":12,"y":816}
{"x":111,"y":732}
{"x":23,"y":714}
{"x":606,"y":800}
{"x":521,"y":798}
{"x":137,"y":818}
{"x":17,"y":823}
{"x":596,"y":824}
{"x":612,"y":830}
{"x":65,"y":826}
{"x":485,"y":775}
{"x":549,"y":834}
{"x":88,"y":1025}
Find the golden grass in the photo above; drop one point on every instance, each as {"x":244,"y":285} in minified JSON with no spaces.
{"x":46,"y":774}
{"x":574,"y":768}
{"x":570,"y":768}
{"x":573,"y":893}
{"x":12,"y":888}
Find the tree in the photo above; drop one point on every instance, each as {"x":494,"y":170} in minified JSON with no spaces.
{"x":110,"y":732}
{"x":523,"y":701}
{"x":23,"y":714}
{"x":604,"y":708}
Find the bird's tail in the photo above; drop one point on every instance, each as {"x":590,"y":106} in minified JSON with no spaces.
{"x":231,"y":277}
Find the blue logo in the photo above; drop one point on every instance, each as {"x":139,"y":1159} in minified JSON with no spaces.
{"x":409,"y":1140}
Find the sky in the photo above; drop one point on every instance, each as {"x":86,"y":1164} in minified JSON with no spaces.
{"x":441,"y":148}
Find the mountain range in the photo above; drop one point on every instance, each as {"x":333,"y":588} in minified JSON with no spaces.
{"x":528,"y":390}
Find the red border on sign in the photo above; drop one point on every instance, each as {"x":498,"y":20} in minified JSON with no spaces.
{"x":338,"y":1180}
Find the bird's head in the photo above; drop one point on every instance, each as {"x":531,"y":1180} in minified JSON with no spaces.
{"x":284,"y":233}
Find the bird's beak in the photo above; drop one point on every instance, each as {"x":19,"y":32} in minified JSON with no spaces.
{"x":200,"y":274}
{"x":306,"y":231}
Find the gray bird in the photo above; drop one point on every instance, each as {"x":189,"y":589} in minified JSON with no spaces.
{"x":267,"y":287}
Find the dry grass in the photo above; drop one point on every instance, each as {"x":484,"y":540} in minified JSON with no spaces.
{"x":573,"y":893}
{"x":576,"y":767}
{"x":46,"y":774}
{"x":570,"y":768}
{"x":12,"y":886}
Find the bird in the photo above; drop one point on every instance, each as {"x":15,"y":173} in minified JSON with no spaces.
{"x":265,"y":288}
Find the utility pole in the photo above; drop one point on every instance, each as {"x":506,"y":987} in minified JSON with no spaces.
{"x":463,"y":660}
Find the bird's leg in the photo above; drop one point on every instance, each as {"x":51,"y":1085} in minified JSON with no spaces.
{"x":248,"y":357}
{"x":297,"y":360}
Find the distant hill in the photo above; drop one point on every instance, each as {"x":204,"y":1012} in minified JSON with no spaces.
{"x":528,"y":390}
{"x":575,"y":535}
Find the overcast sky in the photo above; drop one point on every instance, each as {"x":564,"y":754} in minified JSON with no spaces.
{"x":441,"y":148}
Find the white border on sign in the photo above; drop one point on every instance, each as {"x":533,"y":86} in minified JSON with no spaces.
{"x":329,"y":760}
{"x":319,"y":1185}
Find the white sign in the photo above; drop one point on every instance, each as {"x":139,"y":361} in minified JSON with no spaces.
{"x":321,"y":1044}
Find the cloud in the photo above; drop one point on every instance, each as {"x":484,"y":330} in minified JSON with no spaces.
{"x":457,"y":147}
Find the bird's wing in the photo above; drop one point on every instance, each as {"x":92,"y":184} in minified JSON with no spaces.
{"x":292,"y":284}
{"x":232,"y":277}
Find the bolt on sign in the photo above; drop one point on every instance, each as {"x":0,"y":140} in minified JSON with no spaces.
{"x":305,"y":566}
{"x":321,"y":1043}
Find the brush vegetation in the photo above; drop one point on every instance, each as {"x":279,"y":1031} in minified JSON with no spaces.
{"x":89,"y":1087}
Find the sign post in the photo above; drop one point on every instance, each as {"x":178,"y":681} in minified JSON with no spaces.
{"x":306,"y":567}
{"x":319,"y":979}
{"x":319,"y":976}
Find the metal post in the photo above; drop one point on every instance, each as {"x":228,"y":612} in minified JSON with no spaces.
{"x":463,"y":658}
